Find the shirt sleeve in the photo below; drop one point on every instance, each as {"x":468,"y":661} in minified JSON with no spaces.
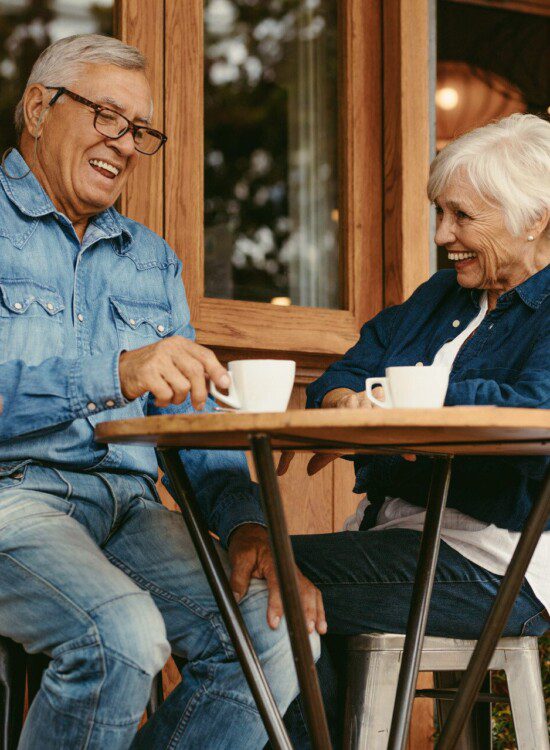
{"x":45,"y":397}
{"x":221,"y":479}
{"x":358,"y":363}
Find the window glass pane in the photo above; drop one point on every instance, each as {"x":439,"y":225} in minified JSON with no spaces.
{"x":271,"y":197}
{"x":26,"y":28}
{"x":491,"y":63}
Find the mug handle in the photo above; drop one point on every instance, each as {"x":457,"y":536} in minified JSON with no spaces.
{"x":370,"y":383}
{"x":229,"y":400}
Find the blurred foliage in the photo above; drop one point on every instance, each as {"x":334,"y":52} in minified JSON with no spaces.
{"x":23,"y":36}
{"x":24,"y":33}
{"x":250,"y":61}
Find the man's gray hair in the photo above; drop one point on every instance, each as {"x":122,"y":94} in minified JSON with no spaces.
{"x":62,"y":62}
{"x":507,"y":162}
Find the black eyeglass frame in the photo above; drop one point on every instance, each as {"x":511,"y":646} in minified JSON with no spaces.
{"x":98,"y":108}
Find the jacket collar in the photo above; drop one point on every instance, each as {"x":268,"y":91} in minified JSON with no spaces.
{"x":32,"y":200}
{"x":532,"y":292}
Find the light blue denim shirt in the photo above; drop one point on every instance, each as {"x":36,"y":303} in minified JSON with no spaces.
{"x":67,"y":309}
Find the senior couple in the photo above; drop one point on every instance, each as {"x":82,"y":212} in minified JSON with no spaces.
{"x":94,"y":325}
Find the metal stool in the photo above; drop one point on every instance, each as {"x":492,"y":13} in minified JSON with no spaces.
{"x":373,"y":669}
{"x":18,"y":668}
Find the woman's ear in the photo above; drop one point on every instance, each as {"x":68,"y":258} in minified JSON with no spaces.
{"x":35,"y":108}
{"x":538,"y":227}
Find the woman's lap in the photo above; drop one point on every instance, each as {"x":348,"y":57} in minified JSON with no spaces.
{"x":366,"y":579}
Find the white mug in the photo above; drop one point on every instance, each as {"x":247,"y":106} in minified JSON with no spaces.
{"x":258,"y":384}
{"x":411,"y":387}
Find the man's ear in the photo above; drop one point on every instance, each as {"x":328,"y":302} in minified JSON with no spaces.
{"x":35,"y":108}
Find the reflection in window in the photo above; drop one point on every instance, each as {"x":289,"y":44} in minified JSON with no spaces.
{"x":271,"y":203}
{"x":29,"y":26}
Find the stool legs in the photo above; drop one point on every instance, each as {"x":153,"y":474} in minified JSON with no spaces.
{"x":527,"y":699}
{"x":12,"y":692}
{"x":477,"y":734}
{"x":370,"y":697}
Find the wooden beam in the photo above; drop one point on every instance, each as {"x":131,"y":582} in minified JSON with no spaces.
{"x":142,"y":25}
{"x":406,"y":146}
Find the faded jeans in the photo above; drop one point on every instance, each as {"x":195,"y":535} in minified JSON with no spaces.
{"x":366,"y":579}
{"x":97,"y":574}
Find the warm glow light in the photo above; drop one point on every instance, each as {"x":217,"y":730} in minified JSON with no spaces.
{"x":335,"y":214}
{"x":446,"y":98}
{"x":283,"y":301}
{"x":548,"y":110}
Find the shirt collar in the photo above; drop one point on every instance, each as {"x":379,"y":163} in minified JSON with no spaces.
{"x":32,"y":200}
{"x":532,"y":292}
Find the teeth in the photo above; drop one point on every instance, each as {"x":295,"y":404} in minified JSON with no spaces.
{"x":104,"y":165}
{"x":460,"y":256}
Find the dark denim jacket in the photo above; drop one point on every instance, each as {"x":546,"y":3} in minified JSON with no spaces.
{"x":506,"y":363}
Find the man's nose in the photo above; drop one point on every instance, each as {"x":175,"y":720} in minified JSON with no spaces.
{"x":125,"y":145}
{"x":444,"y":231}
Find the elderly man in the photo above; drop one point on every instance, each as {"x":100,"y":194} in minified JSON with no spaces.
{"x":94,"y":571}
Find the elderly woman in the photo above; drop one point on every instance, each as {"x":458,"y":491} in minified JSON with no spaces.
{"x":487,"y":321}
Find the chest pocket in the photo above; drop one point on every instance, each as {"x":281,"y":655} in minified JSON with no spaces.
{"x":31,"y":321}
{"x":140,"y":323}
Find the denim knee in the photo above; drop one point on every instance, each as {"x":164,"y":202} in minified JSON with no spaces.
{"x":132,"y":630}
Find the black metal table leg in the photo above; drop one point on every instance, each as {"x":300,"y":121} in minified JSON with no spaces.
{"x":185,"y":497}
{"x":284,"y":562}
{"x":420,"y":603}
{"x":497,"y":619}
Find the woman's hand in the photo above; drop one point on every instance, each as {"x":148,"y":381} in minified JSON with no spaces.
{"x":339,"y":398}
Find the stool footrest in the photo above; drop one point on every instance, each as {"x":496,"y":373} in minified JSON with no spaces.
{"x":449,"y":694}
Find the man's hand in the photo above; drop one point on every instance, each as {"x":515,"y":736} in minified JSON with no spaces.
{"x":250,"y":557}
{"x":169,"y":369}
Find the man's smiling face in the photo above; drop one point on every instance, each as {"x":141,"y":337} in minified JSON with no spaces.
{"x":84,"y":170}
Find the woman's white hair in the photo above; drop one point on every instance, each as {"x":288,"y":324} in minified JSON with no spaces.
{"x":62,"y":62}
{"x":507,"y":162}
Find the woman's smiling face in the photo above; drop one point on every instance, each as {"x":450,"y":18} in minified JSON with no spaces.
{"x":485,"y":253}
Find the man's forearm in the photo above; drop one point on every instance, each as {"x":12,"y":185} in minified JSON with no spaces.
{"x":44,"y":397}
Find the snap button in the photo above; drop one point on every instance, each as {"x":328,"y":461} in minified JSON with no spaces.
{"x":456,"y":323}
{"x":132,"y":322}
{"x":160,"y":329}
{"x":419,"y":364}
{"x":91,"y":406}
{"x":80,"y":317}
{"x":49,"y":306}
{"x":109,"y":403}
{"x":18,"y":306}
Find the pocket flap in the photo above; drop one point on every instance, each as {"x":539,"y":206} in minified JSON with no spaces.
{"x":136,"y":313}
{"x":20,"y":294}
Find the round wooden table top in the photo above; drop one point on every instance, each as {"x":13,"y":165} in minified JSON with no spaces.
{"x":450,"y":430}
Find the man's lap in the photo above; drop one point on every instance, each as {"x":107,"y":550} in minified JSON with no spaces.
{"x":366,"y":579}
{"x":88,"y":540}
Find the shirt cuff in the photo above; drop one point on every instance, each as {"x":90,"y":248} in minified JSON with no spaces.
{"x":235,"y":510}
{"x":95,"y":385}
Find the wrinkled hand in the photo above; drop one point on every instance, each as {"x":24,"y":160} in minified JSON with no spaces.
{"x":340,"y":398}
{"x":170,"y":369}
{"x":250,"y":557}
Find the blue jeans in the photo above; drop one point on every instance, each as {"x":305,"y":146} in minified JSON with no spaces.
{"x":97,"y":574}
{"x":366,"y":579}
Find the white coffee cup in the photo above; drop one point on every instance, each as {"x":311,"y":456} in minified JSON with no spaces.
{"x":411,"y":387}
{"x":258,"y":384}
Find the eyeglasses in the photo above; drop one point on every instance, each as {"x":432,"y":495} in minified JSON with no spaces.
{"x":113,"y":125}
